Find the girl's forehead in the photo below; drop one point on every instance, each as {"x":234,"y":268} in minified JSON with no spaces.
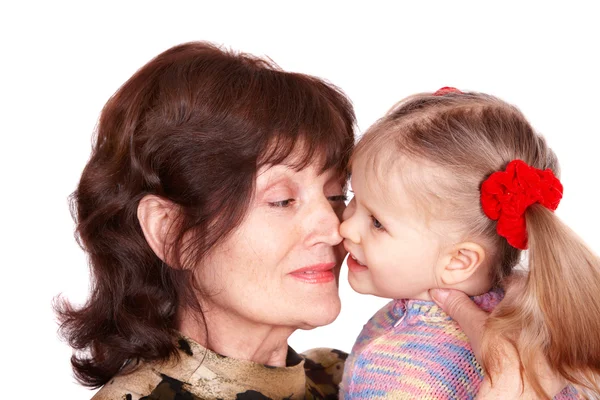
{"x":371,"y":184}
{"x":398,"y":181}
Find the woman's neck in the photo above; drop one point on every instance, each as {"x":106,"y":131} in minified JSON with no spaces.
{"x":237,"y":337}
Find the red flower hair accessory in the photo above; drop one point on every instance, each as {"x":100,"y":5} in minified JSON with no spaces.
{"x":446,"y":90}
{"x":505,"y":196}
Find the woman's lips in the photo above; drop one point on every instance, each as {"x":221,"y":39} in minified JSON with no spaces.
{"x":318,"y":273}
{"x":354,"y":265}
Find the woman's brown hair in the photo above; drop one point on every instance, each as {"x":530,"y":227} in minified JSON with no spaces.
{"x":470,"y":136}
{"x":192,"y":126}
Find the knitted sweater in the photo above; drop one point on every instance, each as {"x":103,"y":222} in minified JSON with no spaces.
{"x":411,"y":349}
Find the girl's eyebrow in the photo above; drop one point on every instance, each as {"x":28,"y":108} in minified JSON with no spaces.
{"x":385,"y":221}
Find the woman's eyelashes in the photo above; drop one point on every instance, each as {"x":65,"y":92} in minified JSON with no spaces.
{"x":282,"y":203}
{"x":340,"y":198}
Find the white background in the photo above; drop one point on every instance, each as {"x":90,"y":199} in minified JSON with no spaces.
{"x":60,"y":62}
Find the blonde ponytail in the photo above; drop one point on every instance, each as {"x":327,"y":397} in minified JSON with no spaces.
{"x":557,"y":312}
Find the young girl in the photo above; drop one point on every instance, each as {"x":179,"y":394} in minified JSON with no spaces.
{"x":449,"y":188}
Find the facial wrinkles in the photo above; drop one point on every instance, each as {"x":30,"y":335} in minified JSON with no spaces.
{"x":274,"y":185}
{"x":320,"y":218}
{"x":300,"y":219}
{"x":274,"y":179}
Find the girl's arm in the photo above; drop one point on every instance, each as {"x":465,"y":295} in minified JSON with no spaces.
{"x":507,"y":382}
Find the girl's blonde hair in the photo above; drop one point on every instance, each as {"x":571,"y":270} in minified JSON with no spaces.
{"x":469,"y":136}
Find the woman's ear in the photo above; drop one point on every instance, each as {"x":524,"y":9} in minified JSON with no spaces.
{"x":156,"y":216}
{"x":461,"y":262}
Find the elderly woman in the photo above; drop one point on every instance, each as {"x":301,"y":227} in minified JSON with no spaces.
{"x":209,"y":210}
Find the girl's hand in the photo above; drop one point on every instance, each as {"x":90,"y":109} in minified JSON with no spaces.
{"x":507,"y":382}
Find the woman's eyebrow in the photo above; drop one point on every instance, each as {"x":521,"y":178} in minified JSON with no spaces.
{"x":274,"y":179}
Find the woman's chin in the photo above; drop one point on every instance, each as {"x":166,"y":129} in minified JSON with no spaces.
{"x":321,"y":314}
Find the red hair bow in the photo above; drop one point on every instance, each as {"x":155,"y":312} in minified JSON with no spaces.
{"x":505,"y":196}
{"x":446,"y":90}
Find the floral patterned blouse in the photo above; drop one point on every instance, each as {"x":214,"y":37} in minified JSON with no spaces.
{"x":203,"y":374}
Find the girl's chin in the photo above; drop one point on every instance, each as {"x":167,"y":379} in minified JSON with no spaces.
{"x":357,"y":285}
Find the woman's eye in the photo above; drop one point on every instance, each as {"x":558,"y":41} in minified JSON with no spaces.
{"x":340,"y":197}
{"x":376,"y":224}
{"x":282,"y":203}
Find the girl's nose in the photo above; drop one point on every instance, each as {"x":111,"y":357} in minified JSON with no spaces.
{"x":348,"y":228}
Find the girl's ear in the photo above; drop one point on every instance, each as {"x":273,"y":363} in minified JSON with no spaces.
{"x":156,"y":216}
{"x":460,"y":263}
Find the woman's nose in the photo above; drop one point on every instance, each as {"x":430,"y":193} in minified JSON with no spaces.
{"x":324,"y":225}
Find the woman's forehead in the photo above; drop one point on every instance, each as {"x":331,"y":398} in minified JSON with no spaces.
{"x":308,"y":149}
{"x":292,"y":171}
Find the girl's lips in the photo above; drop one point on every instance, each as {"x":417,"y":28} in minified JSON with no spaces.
{"x":354,"y":266}
{"x":320,"y":273}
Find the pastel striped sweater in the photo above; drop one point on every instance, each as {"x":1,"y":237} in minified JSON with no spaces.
{"x":411,"y":349}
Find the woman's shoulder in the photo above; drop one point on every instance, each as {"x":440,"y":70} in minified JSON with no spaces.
{"x":324,"y":368}
{"x":144,"y":383}
{"x":166,"y":379}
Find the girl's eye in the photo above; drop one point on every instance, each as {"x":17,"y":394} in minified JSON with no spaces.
{"x":282,"y":203}
{"x":376,"y":224}
{"x":337,"y":198}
